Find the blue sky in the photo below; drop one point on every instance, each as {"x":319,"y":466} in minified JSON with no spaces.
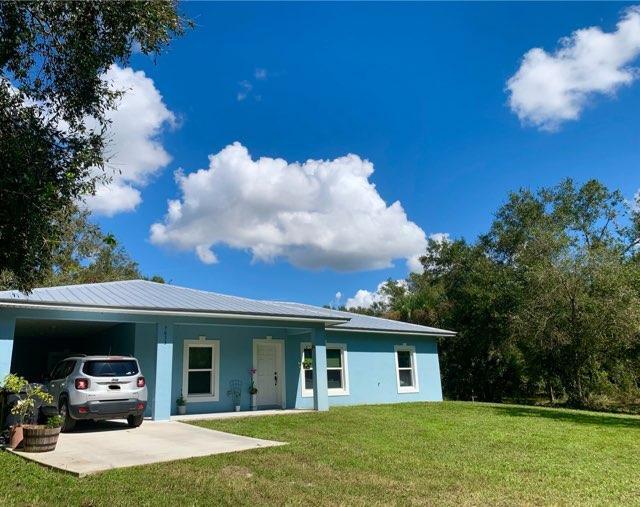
{"x":419,"y":90}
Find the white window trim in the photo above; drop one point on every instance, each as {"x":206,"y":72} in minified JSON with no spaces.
{"x":308,"y":393}
{"x":414,"y":369}
{"x":215,"y":377}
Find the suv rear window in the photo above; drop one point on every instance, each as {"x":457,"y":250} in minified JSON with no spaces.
{"x":111,"y":368}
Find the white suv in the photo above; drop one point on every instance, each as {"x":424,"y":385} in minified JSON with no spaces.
{"x":98,"y":387}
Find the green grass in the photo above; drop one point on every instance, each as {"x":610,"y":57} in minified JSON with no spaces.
{"x":448,"y":453}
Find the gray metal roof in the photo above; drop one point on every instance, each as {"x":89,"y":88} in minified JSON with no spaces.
{"x":152,"y":296}
{"x":360,"y":322}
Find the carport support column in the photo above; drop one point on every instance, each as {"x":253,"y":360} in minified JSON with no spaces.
{"x":320,"y":389}
{"x":7,"y":329}
{"x":161,"y":409}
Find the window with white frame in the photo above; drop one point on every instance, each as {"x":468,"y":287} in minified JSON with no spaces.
{"x":406,"y":370}
{"x":337,"y":373}
{"x":201,"y":370}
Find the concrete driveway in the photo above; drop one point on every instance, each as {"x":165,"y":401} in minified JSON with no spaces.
{"x":111,"y":444}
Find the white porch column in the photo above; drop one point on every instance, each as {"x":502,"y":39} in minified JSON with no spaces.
{"x":320,"y":388}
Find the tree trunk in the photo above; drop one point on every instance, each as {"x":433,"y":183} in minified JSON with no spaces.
{"x":580,"y":395}
{"x":552,"y":397}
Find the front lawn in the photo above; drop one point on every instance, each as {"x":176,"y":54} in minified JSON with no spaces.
{"x":448,"y":453}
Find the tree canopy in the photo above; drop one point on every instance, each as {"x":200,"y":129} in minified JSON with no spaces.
{"x":547,"y":301}
{"x":53,"y":105}
{"x":84,"y":254}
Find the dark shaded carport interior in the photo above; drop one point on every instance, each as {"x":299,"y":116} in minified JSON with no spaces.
{"x":39,"y":344}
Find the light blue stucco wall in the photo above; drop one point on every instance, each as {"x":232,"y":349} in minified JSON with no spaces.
{"x":145,"y":352}
{"x":7,"y":328}
{"x":372,"y":369}
{"x":370,"y":357}
{"x":161,"y":403}
{"x":370,"y":361}
{"x":236,"y":358}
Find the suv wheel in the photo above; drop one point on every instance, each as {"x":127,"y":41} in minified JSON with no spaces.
{"x":135,"y":420}
{"x":68,"y":422}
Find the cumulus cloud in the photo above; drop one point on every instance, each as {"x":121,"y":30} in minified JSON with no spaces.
{"x":549,"y":89}
{"x":414,"y":264}
{"x":440,"y":237}
{"x":366,"y":299}
{"x":316,"y":214}
{"x":134,"y":152}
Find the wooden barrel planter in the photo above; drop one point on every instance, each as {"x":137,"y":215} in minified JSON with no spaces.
{"x":39,"y":438}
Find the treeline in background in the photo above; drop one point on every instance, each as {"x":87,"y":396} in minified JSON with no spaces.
{"x":546,"y":304}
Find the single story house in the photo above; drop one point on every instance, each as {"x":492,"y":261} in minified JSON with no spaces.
{"x":198,"y":343}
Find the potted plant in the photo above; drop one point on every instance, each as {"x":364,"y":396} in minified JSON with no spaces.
{"x":42,"y":437}
{"x":253,"y":390}
{"x":23,"y":408}
{"x":181,"y":402}
{"x":235,"y":393}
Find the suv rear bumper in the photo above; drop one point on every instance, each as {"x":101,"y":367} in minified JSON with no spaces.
{"x":118,"y":409}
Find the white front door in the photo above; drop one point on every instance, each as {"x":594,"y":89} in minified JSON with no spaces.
{"x":269,"y":378}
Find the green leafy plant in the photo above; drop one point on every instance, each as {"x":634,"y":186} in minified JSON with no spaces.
{"x":27,"y":393}
{"x":54,"y":59}
{"x":55,"y":421}
{"x":252,"y":385}
{"x":181,"y":401}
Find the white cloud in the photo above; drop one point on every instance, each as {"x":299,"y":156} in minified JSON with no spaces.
{"x":414,"y":264}
{"x":549,"y":89}
{"x":112,"y":198}
{"x":318,"y":214}
{"x":366,"y":299}
{"x":206,"y":255}
{"x":245,"y":89}
{"x":247,"y":86}
{"x":133,"y":152}
{"x":440,"y":237}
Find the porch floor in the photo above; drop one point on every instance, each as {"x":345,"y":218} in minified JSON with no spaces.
{"x":232,"y":415}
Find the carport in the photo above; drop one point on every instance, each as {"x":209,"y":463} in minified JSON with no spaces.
{"x":161,"y":325}
{"x":40,"y":343}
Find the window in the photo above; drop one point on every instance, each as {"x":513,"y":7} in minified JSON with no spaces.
{"x":407,"y":375}
{"x":307,"y":369}
{"x":201,"y":370}
{"x":337,"y":373}
{"x":111,"y":368}
{"x":62,"y":370}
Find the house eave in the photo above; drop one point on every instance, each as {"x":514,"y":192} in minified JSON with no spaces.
{"x":442,"y":334}
{"x":171,"y":312}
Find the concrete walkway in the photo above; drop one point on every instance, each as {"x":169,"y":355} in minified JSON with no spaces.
{"x":112,"y":444}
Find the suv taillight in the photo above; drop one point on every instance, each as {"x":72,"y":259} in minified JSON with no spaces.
{"x":82,"y":383}
{"x":141,"y":382}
